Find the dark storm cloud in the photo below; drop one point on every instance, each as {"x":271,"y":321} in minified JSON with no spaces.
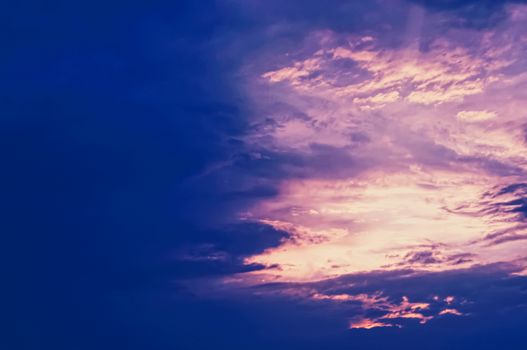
{"x":221,"y":251}
{"x":111,"y":114}
{"x":457,"y":4}
{"x":510,"y":199}
{"x":323,"y":161}
{"x":314,"y":14}
{"x":471,"y":13}
{"x":422,"y":258}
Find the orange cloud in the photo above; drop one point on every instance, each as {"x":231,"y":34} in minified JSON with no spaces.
{"x":368,"y":324}
{"x":450,"y":312}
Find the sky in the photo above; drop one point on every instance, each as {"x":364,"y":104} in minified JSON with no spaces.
{"x":248,"y":174}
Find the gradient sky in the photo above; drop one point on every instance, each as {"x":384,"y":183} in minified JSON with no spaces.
{"x":249,"y":174}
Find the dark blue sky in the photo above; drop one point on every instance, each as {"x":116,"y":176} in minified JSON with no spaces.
{"x":126,"y":163}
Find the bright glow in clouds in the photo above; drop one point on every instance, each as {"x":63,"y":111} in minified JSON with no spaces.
{"x":412,"y":157}
{"x":344,"y":226}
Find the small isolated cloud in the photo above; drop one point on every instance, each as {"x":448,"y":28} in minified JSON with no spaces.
{"x":450,"y":312}
{"x":476,"y":116}
{"x":366,"y":323}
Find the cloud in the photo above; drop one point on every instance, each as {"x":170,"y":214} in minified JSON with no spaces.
{"x":400,"y":299}
{"x":476,"y":116}
{"x":368,"y":324}
{"x":470,"y":13}
{"x":443,"y":73}
{"x":450,"y":312}
{"x":222,"y":251}
{"x":163,"y":154}
{"x":424,"y":167}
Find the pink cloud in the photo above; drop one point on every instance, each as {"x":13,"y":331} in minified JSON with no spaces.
{"x":397,"y":155}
